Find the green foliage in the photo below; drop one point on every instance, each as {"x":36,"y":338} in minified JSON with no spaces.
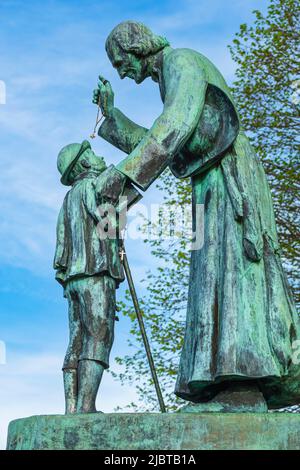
{"x":163,"y":310}
{"x":265,"y":91}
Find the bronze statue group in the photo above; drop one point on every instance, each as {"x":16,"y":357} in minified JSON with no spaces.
{"x":241,"y":323}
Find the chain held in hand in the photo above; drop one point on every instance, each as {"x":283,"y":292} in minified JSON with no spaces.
{"x":98,"y":119}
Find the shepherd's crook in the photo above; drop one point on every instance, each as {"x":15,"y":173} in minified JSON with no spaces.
{"x":142,"y":327}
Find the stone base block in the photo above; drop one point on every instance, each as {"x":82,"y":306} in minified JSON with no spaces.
{"x":151,"y":431}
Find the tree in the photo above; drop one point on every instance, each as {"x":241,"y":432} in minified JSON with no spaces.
{"x":265,"y":91}
{"x":164,"y":308}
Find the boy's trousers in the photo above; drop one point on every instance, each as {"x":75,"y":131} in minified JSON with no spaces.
{"x":92,"y":307}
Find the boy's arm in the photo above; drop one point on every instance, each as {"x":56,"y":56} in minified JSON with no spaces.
{"x":60,"y":257}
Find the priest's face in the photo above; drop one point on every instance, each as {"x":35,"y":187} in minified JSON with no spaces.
{"x":129,"y":65}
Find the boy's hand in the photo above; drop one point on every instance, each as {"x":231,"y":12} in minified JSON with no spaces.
{"x":104,"y":93}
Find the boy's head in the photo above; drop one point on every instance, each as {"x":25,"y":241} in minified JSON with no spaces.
{"x":74,"y":159}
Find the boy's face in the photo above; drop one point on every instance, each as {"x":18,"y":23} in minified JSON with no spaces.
{"x":88,"y":161}
{"x":90,"y":157}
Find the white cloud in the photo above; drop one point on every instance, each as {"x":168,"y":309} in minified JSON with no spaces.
{"x":2,"y":92}
{"x":190,"y":13}
{"x":48,"y":105}
{"x":193,"y":15}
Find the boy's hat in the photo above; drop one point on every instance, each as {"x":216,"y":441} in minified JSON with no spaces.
{"x":67,"y":159}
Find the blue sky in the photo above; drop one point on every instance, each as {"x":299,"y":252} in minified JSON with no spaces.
{"x":51,"y":53}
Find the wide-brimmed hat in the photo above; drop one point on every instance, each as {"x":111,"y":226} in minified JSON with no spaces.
{"x":67,"y":159}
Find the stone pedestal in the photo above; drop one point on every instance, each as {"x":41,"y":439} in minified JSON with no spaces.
{"x":174,"y":431}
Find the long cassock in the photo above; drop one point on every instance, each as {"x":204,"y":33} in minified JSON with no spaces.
{"x":241,"y":322}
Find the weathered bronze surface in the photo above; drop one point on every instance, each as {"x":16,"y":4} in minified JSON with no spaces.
{"x":169,"y":431}
{"x":241,"y":321}
{"x":89,"y":268}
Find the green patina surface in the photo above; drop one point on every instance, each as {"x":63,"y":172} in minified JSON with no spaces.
{"x":88,"y":266}
{"x":214,"y":431}
{"x":241,"y":323}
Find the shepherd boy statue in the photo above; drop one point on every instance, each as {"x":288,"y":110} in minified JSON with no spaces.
{"x":88,"y":266}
